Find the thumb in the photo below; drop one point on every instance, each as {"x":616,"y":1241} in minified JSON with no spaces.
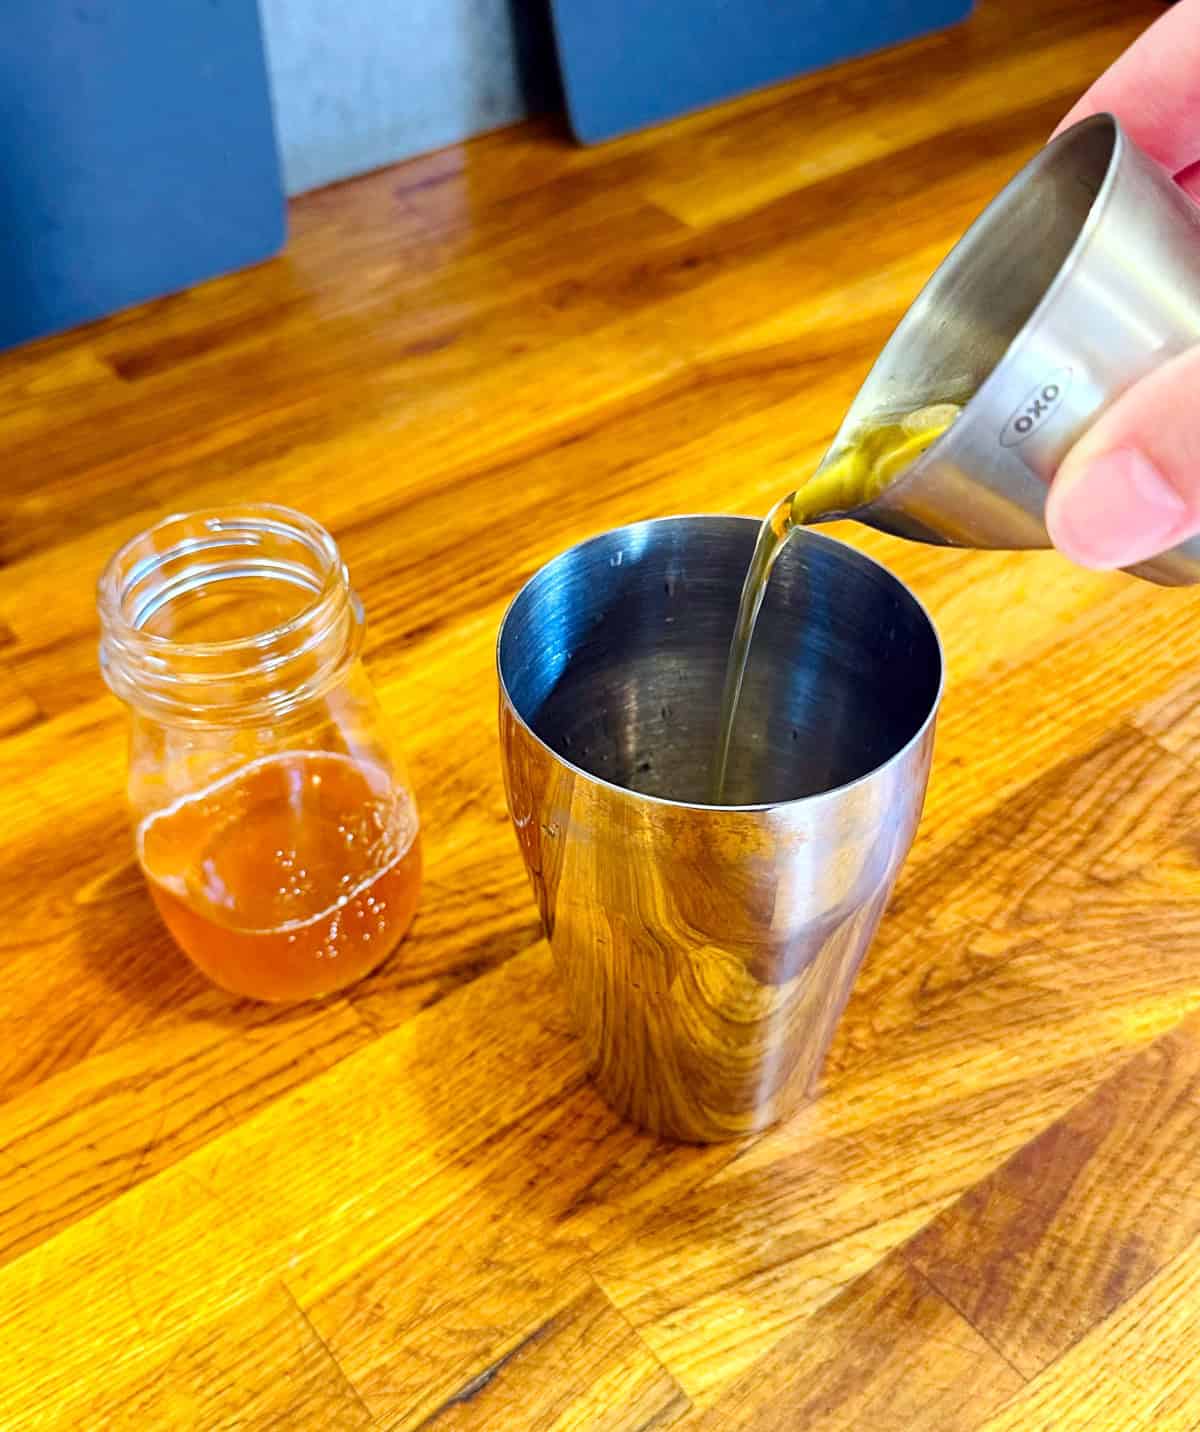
{"x":1130,"y":488}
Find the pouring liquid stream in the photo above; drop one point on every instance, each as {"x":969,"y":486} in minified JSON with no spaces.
{"x":848,"y":479}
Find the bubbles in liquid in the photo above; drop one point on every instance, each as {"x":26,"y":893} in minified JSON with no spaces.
{"x":264,"y":878}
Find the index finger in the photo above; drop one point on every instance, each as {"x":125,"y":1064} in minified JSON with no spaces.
{"x":1154,"y":89}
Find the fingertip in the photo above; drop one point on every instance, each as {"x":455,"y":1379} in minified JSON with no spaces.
{"x":1116,"y":510}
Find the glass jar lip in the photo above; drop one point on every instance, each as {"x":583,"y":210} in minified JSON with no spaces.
{"x":118,"y":575}
{"x":261,"y":676}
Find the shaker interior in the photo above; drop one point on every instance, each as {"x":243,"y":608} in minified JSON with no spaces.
{"x":614,"y":655}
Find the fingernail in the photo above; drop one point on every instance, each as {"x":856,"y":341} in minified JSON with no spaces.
{"x":1118,"y":510}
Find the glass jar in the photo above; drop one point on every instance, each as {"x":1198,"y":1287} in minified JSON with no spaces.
{"x":274,"y":822}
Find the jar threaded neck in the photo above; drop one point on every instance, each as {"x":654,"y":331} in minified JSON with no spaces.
{"x":227,"y":616}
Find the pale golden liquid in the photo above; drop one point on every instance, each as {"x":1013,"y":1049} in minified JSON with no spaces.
{"x":289,"y":879}
{"x":850,"y":478}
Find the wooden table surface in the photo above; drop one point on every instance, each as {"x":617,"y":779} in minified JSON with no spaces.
{"x":406,"y":1207}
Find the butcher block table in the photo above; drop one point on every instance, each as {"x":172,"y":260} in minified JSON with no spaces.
{"x":406,"y":1207}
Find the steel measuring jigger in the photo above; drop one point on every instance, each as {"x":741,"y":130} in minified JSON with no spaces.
{"x":1081,"y":276}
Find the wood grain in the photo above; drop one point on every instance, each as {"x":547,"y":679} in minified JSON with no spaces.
{"x":1139,"y":1366}
{"x":261,"y":1365}
{"x":406,"y":1206}
{"x":1080,"y":1217}
{"x":543,"y":1346}
{"x":889,"y":1354}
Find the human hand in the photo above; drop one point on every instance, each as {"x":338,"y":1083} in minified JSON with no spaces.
{"x":1130,"y":488}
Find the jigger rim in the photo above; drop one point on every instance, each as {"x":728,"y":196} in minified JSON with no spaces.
{"x":795,"y":803}
{"x":978,"y":401}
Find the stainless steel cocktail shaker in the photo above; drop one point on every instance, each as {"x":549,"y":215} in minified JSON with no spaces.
{"x":707,"y":951}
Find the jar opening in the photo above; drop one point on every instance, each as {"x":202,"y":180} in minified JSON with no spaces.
{"x":227,"y":615}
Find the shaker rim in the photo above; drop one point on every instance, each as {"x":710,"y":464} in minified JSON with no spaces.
{"x":756,"y":808}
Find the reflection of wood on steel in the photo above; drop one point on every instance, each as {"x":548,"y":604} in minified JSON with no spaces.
{"x":705,"y":995}
{"x":408,"y":1204}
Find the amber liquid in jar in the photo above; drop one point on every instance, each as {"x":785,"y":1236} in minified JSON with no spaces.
{"x":289,"y":878}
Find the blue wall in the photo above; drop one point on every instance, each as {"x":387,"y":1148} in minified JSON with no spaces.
{"x":360,"y":83}
{"x":137,"y":154}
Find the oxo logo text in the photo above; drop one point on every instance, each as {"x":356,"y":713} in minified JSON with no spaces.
{"x":1036,"y":407}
